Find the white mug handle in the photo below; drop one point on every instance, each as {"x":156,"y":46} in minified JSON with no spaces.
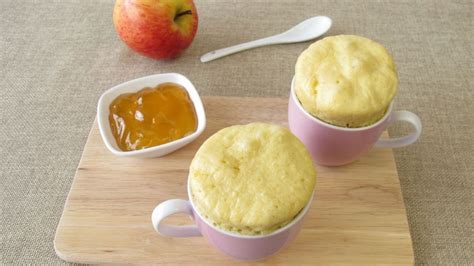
{"x":171,"y":207}
{"x":406,"y":140}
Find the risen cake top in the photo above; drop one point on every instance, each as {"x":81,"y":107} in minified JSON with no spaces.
{"x":346,"y":80}
{"x":251,"y":179}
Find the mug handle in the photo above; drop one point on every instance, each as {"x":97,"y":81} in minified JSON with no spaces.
{"x":406,"y":140}
{"x":168,"y":208}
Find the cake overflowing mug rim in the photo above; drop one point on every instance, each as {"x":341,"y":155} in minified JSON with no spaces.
{"x":319,"y":121}
{"x":295,"y":220}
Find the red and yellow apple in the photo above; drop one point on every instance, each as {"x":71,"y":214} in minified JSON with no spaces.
{"x":160,"y":29}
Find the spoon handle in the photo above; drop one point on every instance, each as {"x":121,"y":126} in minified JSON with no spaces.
{"x":238,"y":48}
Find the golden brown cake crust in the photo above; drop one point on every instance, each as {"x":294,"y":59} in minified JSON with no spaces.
{"x":346,"y":80}
{"x":251,"y":179}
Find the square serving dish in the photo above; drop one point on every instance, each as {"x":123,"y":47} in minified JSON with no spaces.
{"x":133,"y":86}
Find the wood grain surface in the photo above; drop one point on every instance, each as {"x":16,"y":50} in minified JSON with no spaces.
{"x":358,"y":215}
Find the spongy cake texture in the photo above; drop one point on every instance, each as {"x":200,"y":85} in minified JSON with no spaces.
{"x":251,"y":179}
{"x":346,"y":80}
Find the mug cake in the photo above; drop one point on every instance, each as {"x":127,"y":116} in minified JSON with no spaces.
{"x":346,"y":80}
{"x":251,"y":179}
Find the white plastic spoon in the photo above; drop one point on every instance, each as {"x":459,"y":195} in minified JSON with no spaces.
{"x":305,"y":31}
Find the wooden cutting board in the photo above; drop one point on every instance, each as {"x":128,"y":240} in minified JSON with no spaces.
{"x":358,"y":215}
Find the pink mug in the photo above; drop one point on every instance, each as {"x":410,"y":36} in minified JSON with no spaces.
{"x":242,"y":247}
{"x":332,"y":145}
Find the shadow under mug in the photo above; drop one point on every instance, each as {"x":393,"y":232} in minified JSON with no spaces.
{"x":332,"y":145}
{"x":242,"y":247}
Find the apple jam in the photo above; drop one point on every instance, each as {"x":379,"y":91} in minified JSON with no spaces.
{"x":152,"y":116}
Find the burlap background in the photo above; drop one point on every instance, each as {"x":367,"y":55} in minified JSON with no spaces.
{"x":57,"y":57}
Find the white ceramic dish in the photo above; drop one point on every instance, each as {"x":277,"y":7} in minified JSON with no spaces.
{"x":134,"y":86}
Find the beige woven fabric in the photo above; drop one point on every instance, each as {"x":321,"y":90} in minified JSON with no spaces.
{"x":57,"y":57}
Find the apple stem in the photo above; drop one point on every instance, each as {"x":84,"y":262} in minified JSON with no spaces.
{"x":187,"y":12}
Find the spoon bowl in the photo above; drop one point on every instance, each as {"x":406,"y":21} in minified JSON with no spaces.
{"x":306,"y":30}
